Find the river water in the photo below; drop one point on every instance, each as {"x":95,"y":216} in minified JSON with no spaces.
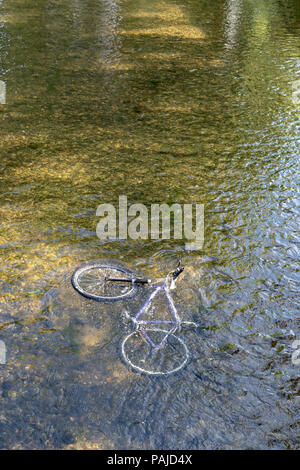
{"x":166,"y":101}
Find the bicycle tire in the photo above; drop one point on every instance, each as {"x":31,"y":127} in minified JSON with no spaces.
{"x":141,"y":370}
{"x":121,"y":291}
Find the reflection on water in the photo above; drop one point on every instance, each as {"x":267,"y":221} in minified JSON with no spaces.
{"x":164,"y":102}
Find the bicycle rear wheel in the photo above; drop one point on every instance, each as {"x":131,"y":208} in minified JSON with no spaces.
{"x":90,"y":281}
{"x":141,"y":357}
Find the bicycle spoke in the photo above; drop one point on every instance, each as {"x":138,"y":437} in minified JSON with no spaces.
{"x":90,"y":281}
{"x":144,"y":358}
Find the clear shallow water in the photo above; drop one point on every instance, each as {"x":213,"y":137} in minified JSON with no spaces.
{"x":170,"y":102}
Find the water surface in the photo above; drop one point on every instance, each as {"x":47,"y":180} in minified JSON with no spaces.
{"x":162,"y":101}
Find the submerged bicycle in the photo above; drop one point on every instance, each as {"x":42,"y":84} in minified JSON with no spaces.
{"x":152,"y":347}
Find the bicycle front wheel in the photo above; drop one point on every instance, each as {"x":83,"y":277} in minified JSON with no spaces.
{"x":91,"y":281}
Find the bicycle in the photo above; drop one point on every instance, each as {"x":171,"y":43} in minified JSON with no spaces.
{"x":109,"y":281}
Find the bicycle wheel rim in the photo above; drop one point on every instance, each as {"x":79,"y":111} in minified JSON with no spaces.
{"x":142,"y":370}
{"x":85,"y":279}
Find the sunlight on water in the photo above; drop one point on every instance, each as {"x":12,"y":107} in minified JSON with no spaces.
{"x":164,"y":102}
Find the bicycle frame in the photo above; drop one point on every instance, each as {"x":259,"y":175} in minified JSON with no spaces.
{"x":140,"y":323}
{"x":157,"y":288}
